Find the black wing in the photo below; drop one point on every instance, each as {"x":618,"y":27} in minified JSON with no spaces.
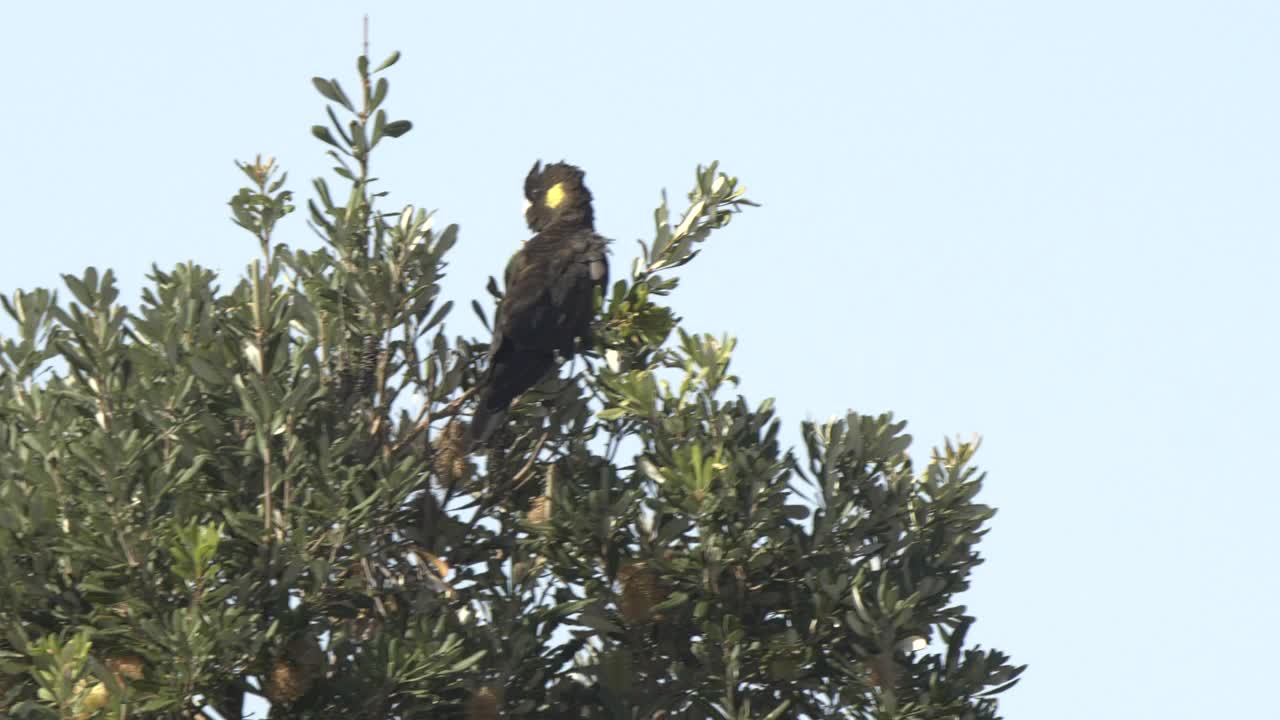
{"x":548,"y":305}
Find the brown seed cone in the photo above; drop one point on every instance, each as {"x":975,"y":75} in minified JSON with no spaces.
{"x":485,"y":703}
{"x":539,"y":510}
{"x":97,"y":694}
{"x":285,"y":683}
{"x":93,"y":700}
{"x":540,"y":506}
{"x":127,"y":666}
{"x":882,"y":670}
{"x":641,"y":590}
{"x":368,"y":367}
{"x":450,"y":461}
{"x":498,"y":465}
{"x":294,"y":671}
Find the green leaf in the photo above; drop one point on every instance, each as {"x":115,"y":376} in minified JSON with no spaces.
{"x":81,"y":290}
{"x":397,"y":128}
{"x":379,"y":93}
{"x":468,"y":662}
{"x":207,"y":371}
{"x":479,"y":311}
{"x":646,"y":465}
{"x":439,"y":316}
{"x":395,"y":56}
{"x":332,"y":91}
{"x":674,"y":601}
{"x":593,"y":617}
{"x":612,"y":413}
{"x":322,"y":132}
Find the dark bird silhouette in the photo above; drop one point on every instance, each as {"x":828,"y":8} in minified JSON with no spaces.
{"x":549,"y":302}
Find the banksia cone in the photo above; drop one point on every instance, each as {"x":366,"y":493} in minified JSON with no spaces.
{"x":294,"y":671}
{"x":450,"y":461}
{"x":641,"y":590}
{"x":367,"y":371}
{"x":497,"y":463}
{"x":94,"y":701}
{"x":539,"y":510}
{"x":286,"y":683}
{"x":882,"y":670}
{"x":485,"y":703}
{"x":98,"y":695}
{"x":126,"y":666}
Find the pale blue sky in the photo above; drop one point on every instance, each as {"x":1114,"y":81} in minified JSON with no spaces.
{"x":1053,"y":223}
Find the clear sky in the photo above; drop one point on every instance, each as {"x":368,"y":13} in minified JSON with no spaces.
{"x":1052,"y":223}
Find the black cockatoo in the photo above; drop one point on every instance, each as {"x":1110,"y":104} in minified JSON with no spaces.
{"x":549,"y":302}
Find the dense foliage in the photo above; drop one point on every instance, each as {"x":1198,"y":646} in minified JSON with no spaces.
{"x":264,"y":489}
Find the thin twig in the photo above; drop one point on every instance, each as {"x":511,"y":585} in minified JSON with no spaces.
{"x":426,"y":417}
{"x":489,"y":499}
{"x":373,"y":585}
{"x":525,"y":472}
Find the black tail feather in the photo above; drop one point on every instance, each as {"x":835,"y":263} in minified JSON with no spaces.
{"x":508,"y":378}
{"x":486,"y":419}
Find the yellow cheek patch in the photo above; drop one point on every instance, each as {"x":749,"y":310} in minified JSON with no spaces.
{"x":555,"y":195}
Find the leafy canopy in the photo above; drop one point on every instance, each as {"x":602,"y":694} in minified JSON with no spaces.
{"x":261,"y":489}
